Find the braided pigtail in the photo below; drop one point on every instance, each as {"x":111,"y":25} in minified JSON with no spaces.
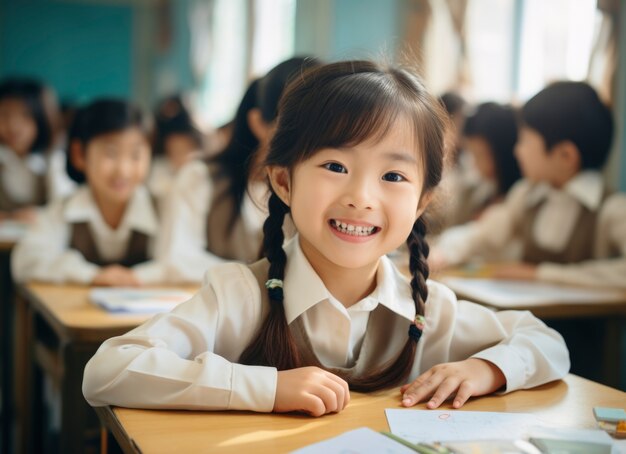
{"x":418,"y":266}
{"x":274,"y":345}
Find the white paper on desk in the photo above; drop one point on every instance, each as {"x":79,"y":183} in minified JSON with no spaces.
{"x":133,"y":300}
{"x":439,"y":425}
{"x":507,"y":293}
{"x":356,"y":441}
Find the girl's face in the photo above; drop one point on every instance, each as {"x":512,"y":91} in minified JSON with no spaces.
{"x":482,"y":155}
{"x":353,"y":205}
{"x":116,"y":163}
{"x":18,"y":129}
{"x":179,"y":148}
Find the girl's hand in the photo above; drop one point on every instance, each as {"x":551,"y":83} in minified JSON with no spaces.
{"x":472,"y":377}
{"x":116,"y":275}
{"x":311,"y":390}
{"x":519,"y":271}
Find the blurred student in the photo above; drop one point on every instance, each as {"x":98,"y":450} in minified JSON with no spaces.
{"x":489,"y":136}
{"x":570,"y":227}
{"x":176,"y":141}
{"x":217,"y":206}
{"x":25,"y":136}
{"x":104,"y":233}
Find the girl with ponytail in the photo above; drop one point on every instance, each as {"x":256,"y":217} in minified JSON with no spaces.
{"x":354,"y":161}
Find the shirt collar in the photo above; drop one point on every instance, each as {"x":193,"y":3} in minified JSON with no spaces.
{"x":139,"y":216}
{"x":587,"y":187}
{"x":304,"y":288}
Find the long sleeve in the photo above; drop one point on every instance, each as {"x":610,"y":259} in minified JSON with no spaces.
{"x":186,"y":359}
{"x":182,"y":243}
{"x":488,"y":237}
{"x":526,"y":351}
{"x":608,"y":268}
{"x":43,"y":254}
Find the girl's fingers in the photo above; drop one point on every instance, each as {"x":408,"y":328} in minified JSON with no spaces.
{"x":420,"y":389}
{"x":465,"y":392}
{"x":314,"y":405}
{"x":445,"y":389}
{"x":345,"y":387}
{"x":340,"y":394}
{"x":328,"y":396}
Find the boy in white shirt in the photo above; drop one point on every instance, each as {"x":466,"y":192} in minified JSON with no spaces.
{"x":566,"y":224}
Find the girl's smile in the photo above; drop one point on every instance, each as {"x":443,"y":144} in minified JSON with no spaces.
{"x":353,"y":231}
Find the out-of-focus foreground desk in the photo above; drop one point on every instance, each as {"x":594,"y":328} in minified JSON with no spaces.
{"x":58,"y":331}
{"x":566,"y":403}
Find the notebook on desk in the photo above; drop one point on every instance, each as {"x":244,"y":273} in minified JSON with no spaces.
{"x":137,"y":301}
{"x":505,"y":294}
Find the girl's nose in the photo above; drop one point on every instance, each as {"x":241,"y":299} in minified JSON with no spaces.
{"x":360,"y":194}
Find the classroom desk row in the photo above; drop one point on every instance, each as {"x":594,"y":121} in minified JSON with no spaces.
{"x":565,"y":403}
{"x":58,"y":330}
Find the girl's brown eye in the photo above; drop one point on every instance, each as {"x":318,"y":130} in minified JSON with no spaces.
{"x":335,"y":167}
{"x":393,"y":177}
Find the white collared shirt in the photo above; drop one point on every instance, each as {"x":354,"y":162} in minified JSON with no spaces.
{"x":43,"y":253}
{"x":188,"y":358}
{"x":19,"y":175}
{"x":496,"y":232}
{"x":183,"y":243}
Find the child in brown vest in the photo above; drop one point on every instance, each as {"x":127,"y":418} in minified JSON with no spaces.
{"x":104,"y":233}
{"x":357,"y":152}
{"x":25,"y":136}
{"x":217,"y":206}
{"x":561,"y":222}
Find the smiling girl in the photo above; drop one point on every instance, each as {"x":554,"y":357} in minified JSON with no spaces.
{"x":357,"y":153}
{"x":104,"y":233}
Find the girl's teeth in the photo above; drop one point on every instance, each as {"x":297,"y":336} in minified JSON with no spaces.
{"x":350,"y":229}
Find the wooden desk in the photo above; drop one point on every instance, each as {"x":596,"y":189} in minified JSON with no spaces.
{"x":59,"y":331}
{"x":566,"y":403}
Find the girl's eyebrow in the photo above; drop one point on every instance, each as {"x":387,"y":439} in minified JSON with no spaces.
{"x":400,"y":156}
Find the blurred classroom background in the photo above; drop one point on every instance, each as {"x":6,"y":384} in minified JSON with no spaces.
{"x":486,"y":50}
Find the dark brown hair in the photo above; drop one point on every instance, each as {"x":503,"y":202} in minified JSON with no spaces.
{"x":341,"y":105}
{"x":572,"y":111}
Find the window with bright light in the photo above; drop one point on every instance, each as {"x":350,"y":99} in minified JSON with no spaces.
{"x":232,"y":63}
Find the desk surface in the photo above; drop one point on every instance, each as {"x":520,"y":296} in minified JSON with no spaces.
{"x":68,"y":310}
{"x":566,"y":403}
{"x":599,"y":308}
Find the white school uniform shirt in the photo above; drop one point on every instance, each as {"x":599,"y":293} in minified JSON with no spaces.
{"x":187,"y":359}
{"x":183,"y":243}
{"x":19,"y":175}
{"x":495,"y":231}
{"x":43,"y":254}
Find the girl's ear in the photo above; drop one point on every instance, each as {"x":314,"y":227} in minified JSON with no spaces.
{"x":77,"y":155}
{"x":258,"y":126}
{"x":424,"y":202}
{"x":281,"y":182}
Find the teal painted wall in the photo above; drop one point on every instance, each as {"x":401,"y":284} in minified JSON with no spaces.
{"x":365,"y":28}
{"x":340,"y":29}
{"x":82,"y":50}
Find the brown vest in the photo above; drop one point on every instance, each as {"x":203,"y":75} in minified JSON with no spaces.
{"x":578,"y":248}
{"x":81,"y":239}
{"x":226,"y":241}
{"x":385,"y":336}
{"x":8,"y":204}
